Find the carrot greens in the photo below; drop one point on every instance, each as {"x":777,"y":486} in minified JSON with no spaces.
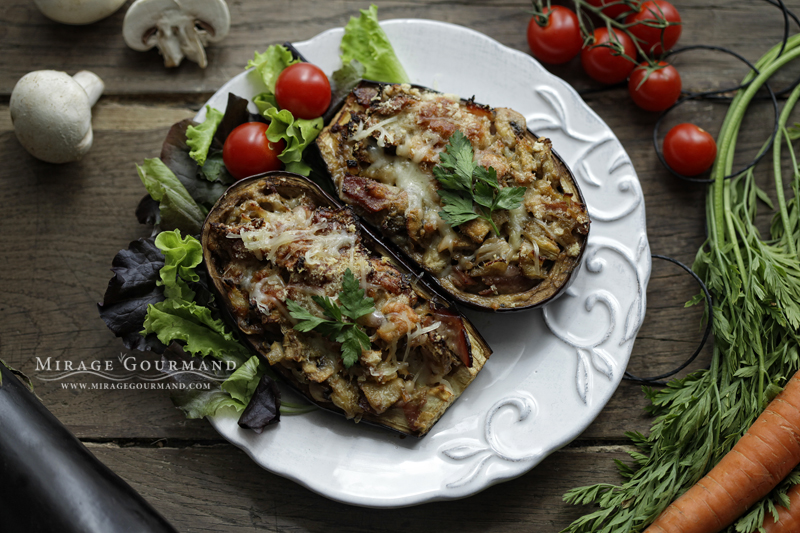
{"x":755,"y":283}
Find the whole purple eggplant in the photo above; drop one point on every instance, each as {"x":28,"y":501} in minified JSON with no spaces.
{"x":51,"y":482}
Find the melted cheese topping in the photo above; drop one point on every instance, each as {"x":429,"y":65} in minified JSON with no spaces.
{"x":315,"y":241}
{"x":302,"y":253}
{"x":396,"y":136}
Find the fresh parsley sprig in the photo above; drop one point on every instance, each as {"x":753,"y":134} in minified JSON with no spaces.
{"x":467,"y":183}
{"x":353,"y":304}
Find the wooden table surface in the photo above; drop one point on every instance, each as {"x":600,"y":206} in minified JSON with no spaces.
{"x":62,"y":225}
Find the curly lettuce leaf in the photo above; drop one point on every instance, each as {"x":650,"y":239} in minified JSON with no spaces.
{"x":270,"y":63}
{"x":199,"y":138}
{"x":177,"y":208}
{"x":178,"y":317}
{"x":181,"y":257}
{"x":265,"y":102}
{"x":193,"y":324}
{"x":366,"y":42}
{"x":297,"y":133}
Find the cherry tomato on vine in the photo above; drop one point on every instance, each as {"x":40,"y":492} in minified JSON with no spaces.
{"x":248,"y":152}
{"x":655,"y":12}
{"x":689,"y":150}
{"x":654,"y":88}
{"x":559,"y":40}
{"x":607,"y":65}
{"x":614,"y":10}
{"x":304,"y":90}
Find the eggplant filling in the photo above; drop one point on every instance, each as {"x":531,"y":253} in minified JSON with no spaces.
{"x":381,"y":150}
{"x":270,"y":248}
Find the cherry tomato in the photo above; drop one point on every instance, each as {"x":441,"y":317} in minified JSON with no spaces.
{"x":304,"y":90}
{"x":613,"y":11}
{"x":689,"y":150}
{"x":654,"y":89}
{"x":655,"y":12}
{"x":248,"y":152}
{"x":604,"y":64}
{"x":559,"y":40}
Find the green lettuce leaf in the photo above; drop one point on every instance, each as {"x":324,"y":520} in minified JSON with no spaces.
{"x":297,"y":133}
{"x":181,"y":257}
{"x":207,"y":398}
{"x":177,"y":208}
{"x":270,"y":64}
{"x":199,"y":138}
{"x":214,"y":169}
{"x":346,"y":78}
{"x":244,"y":380}
{"x":366,"y":42}
{"x":202,"y":403}
{"x":265,"y":102}
{"x":193,"y":324}
{"x":180,"y":318}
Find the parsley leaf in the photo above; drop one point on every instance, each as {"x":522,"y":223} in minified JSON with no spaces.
{"x":352,"y":298}
{"x":353,"y":341}
{"x":352,"y":304}
{"x":330,"y":309}
{"x":508,"y":198}
{"x":307,"y":320}
{"x":457,"y":208}
{"x":466,"y":183}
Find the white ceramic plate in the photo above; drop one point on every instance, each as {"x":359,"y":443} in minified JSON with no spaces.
{"x":552,"y":370}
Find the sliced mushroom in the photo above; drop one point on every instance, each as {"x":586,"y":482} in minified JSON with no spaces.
{"x":179,"y":28}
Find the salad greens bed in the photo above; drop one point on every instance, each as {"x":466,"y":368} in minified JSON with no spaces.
{"x":160,"y":297}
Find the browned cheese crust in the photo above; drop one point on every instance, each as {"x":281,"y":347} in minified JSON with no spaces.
{"x":380,"y":150}
{"x":263,"y":247}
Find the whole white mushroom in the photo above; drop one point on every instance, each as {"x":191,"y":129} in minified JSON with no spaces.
{"x":52,"y":113}
{"x":78,"y":11}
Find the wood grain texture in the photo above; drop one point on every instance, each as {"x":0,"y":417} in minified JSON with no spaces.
{"x":216,"y":488}
{"x":62,"y":226}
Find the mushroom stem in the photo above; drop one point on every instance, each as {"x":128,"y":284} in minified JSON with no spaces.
{"x":192,"y":44}
{"x":91,"y":83}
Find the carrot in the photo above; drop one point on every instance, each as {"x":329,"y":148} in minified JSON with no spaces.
{"x":763,"y":457}
{"x":788,"y":519}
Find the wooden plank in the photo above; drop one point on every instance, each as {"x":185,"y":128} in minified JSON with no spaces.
{"x":29,"y":41}
{"x":218,"y":488}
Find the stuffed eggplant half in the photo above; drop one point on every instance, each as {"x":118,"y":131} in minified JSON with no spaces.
{"x":332,"y":311}
{"x":467,"y":192}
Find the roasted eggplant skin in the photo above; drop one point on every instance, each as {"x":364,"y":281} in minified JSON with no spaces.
{"x":51,"y":482}
{"x":472,"y":348}
{"x":384,"y":214}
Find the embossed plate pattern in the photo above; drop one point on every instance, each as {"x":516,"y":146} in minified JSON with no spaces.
{"x":552,"y":370}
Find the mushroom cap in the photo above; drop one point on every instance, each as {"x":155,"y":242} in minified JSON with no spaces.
{"x":52,"y":116}
{"x":77,"y":11}
{"x":140,"y":21}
